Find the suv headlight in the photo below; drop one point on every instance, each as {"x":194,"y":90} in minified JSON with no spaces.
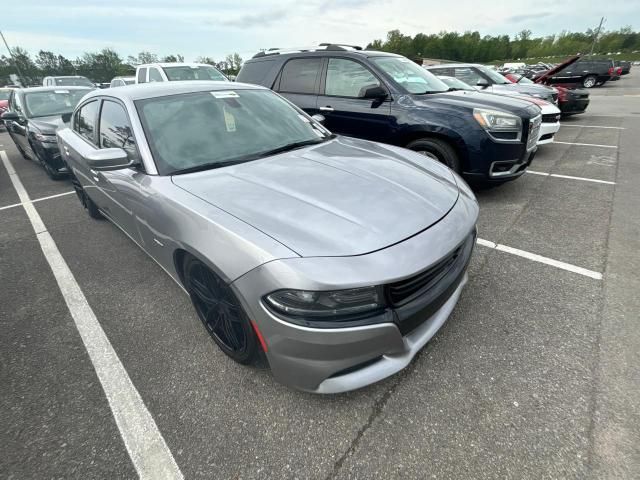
{"x":334,"y":303}
{"x":497,"y":121}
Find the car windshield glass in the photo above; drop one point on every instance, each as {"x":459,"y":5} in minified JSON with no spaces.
{"x":53,"y":102}
{"x":205,"y":130}
{"x":186,"y":72}
{"x":410,"y":76}
{"x":73,"y":82}
{"x":456,"y":84}
{"x":493,"y":75}
{"x":517,"y":78}
{"x":4,"y":94}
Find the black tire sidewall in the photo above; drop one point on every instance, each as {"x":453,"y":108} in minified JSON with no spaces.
{"x":252,"y":352}
{"x":440,"y":149}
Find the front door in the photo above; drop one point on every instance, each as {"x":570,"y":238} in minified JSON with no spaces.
{"x":344,"y":107}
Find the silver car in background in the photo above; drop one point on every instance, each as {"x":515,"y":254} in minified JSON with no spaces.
{"x":334,"y":258}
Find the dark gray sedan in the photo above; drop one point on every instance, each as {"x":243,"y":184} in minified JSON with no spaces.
{"x":335,"y":259}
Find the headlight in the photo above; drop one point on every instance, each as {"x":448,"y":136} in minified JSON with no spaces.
{"x":497,"y":121}
{"x":41,"y":137}
{"x":325,"y":303}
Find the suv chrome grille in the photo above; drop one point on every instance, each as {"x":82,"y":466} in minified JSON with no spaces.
{"x":534,"y":130}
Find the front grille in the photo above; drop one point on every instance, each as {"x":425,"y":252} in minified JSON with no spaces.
{"x":534,"y":129}
{"x":550,"y":118}
{"x":404,"y":291}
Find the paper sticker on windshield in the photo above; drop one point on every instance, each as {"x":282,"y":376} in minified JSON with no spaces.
{"x":61,"y":91}
{"x":225,"y":94}
{"x":229,"y":120}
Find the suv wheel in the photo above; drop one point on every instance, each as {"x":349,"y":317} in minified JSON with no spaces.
{"x":87,"y":203}
{"x":589,"y":82}
{"x":438,"y":150}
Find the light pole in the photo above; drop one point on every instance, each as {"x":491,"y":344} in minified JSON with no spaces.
{"x":595,"y":38}
{"x":15,"y":64}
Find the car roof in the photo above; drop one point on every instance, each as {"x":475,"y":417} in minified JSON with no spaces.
{"x":323,"y":52}
{"x":175,"y":64}
{"x":163,"y":89}
{"x":66,"y":76}
{"x":51,"y":89}
{"x":454,"y":64}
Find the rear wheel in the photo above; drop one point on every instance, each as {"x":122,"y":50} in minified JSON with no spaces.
{"x":589,"y":82}
{"x":438,"y":150}
{"x":220,"y":312}
{"x":87,"y":203}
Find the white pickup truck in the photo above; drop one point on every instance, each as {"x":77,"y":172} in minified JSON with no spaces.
{"x":169,"y":72}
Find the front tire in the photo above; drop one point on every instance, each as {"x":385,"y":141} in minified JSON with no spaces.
{"x":438,"y":150}
{"x":590,"y":81}
{"x":220,"y":311}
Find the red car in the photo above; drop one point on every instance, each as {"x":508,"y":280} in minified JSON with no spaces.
{"x":570,"y":100}
{"x":4,"y":101}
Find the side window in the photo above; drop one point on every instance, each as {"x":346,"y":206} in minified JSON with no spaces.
{"x":448,"y":72}
{"x":300,"y":75}
{"x":468,"y":75}
{"x":142,"y":75}
{"x":346,"y":78}
{"x":154,"y":75}
{"x":85,"y":121}
{"x":115,"y":129}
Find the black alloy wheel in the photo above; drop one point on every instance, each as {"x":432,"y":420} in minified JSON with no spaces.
{"x":220,"y":312}
{"x":437,"y":149}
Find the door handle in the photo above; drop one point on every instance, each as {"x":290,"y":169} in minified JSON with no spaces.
{"x":95,"y":175}
{"x":326,"y":109}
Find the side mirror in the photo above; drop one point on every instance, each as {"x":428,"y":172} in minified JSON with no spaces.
{"x":10,"y":116}
{"x":482,"y":83}
{"x":106,"y":159}
{"x":318,"y":118}
{"x":374,"y":92}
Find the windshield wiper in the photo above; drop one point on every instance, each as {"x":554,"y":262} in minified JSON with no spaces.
{"x":292,"y":146}
{"x":429,"y":92}
{"x":205,"y":166}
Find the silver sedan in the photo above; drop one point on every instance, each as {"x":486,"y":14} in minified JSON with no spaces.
{"x":334,"y":259}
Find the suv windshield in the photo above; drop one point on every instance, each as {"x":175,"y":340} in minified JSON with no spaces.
{"x":410,"y":76}
{"x":73,"y":82}
{"x":493,"y":75}
{"x":205,"y":130}
{"x":53,"y":102}
{"x":4,"y":94}
{"x":185,"y":72}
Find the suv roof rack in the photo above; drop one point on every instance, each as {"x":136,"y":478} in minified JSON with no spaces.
{"x":314,"y":48}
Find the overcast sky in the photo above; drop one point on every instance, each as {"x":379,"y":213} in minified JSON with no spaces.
{"x":218,"y":27}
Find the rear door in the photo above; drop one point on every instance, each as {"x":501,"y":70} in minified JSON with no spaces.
{"x":298,"y":82}
{"x":345,"y":109}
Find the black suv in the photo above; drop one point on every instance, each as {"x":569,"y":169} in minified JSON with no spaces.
{"x":587,"y":72}
{"x":388,"y":98}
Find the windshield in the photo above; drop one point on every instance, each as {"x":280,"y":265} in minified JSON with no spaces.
{"x":73,"y":82}
{"x":202,"y":130}
{"x":517,"y":78}
{"x":185,"y":72}
{"x":4,"y":94}
{"x":410,"y":76}
{"x":53,"y":102}
{"x":455,"y":83}
{"x":493,"y":75}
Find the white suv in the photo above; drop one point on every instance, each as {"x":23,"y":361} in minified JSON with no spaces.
{"x":168,"y":72}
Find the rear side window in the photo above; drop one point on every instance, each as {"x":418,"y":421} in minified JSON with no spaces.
{"x":142,"y":75}
{"x":154,"y":75}
{"x":300,"y":75}
{"x":467,"y":75}
{"x":115,"y":129}
{"x":346,"y":78}
{"x":85,"y":121}
{"x":255,"y":72}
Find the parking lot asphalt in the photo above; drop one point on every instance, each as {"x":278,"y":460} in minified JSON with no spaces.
{"x":535,"y":375}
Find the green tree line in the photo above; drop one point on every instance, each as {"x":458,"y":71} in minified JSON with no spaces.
{"x":99,"y":66}
{"x":472,"y":47}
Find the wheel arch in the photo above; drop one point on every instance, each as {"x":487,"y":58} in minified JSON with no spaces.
{"x":452,"y":139}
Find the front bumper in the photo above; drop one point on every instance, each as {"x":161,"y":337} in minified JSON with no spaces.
{"x":50,"y":153}
{"x":574,"y":106}
{"x":332,"y":360}
{"x":547,"y":132}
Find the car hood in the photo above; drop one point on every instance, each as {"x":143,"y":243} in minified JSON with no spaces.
{"x":471,"y":100}
{"x":549,"y":73}
{"x":526,"y":89}
{"x":50,"y":124}
{"x":342,"y":197}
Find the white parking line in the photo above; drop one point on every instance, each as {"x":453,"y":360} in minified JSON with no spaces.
{"x":539,"y":258}
{"x":591,"y":126}
{"x":584,"y":144}
{"x":147,"y":448}
{"x":583,"y":179}
{"x":37,"y":200}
